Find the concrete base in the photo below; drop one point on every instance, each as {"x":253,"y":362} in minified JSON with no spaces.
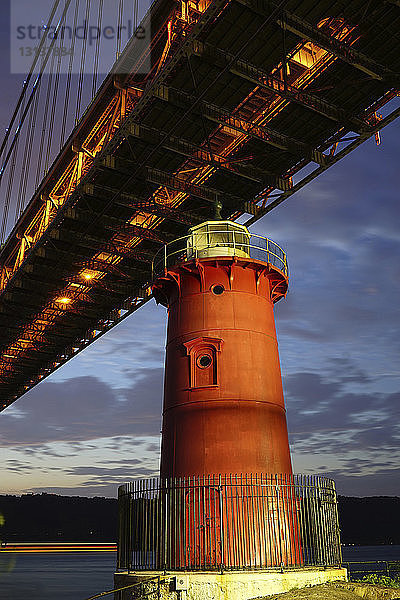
{"x":232,"y":585}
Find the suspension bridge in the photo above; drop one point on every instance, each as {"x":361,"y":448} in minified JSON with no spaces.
{"x":228,"y":109}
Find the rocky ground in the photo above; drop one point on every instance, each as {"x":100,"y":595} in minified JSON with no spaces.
{"x":339,"y":591}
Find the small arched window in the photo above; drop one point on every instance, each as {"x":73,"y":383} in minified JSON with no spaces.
{"x":203,"y":361}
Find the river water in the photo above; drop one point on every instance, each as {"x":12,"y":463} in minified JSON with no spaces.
{"x":79,"y":575}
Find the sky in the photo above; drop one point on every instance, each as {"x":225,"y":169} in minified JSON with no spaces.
{"x":95,"y":423}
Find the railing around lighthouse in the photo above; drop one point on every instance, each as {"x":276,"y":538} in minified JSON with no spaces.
{"x":223,"y":240}
{"x":227,"y":522}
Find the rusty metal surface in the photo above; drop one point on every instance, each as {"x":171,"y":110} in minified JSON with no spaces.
{"x":226,"y":414}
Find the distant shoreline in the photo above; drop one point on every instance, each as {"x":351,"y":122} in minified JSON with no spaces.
{"x":53,"y":520}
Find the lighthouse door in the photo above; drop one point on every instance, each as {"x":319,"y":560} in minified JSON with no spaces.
{"x":203,"y":527}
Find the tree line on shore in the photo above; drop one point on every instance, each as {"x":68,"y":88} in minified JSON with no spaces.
{"x":53,"y":518}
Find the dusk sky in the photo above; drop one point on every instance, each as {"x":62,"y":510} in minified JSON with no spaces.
{"x":95,"y":423}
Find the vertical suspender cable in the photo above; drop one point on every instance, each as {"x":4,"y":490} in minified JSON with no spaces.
{"x":30,"y":146}
{"x":26,"y":161}
{"x":82,"y":68}
{"x":136,"y":14}
{"x":14,"y":153}
{"x":44,"y":124}
{"x":54,"y":105}
{"x":97,"y":50}
{"x":4,"y":151}
{"x":119,"y":26}
{"x":29,"y":77}
{"x":29,"y":171}
{"x":69,"y":76}
{"x":32,"y":95}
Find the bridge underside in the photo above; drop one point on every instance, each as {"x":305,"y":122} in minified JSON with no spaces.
{"x":243,"y":94}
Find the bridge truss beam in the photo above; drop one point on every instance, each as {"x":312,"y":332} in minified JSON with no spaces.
{"x":306,"y":31}
{"x":260,"y":212}
{"x":239,"y":124}
{"x":250,"y":72}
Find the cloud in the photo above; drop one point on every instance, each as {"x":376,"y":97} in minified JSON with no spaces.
{"x":84,"y":408}
{"x":355,"y":435}
{"x":350,"y":436}
{"x":99,"y":490}
{"x":103,"y":471}
{"x":120,"y":357}
{"x":310,"y":388}
{"x":102,"y":480}
{"x":384,"y":482}
{"x":17,"y":466}
{"x":342,"y":241}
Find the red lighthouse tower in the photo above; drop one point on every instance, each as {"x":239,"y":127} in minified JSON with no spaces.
{"x":226,"y":498}
{"x":223,"y":402}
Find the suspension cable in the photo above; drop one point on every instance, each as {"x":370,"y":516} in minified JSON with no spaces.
{"x":29,"y":77}
{"x":44,"y":124}
{"x":57,"y":51}
{"x":10,"y":185}
{"x":69,"y":76}
{"x":34,"y":89}
{"x":97,"y":49}
{"x":82,"y":67}
{"x":26,"y":161}
{"x":119,"y":27}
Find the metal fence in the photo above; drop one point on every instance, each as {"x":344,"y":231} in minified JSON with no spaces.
{"x":252,"y":521}
{"x":222,"y":241}
{"x":147,"y":589}
{"x":361,"y":568}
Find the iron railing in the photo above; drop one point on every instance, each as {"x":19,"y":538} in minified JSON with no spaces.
{"x":147,"y":589}
{"x":357,"y":569}
{"x":252,"y":521}
{"x":224,"y":238}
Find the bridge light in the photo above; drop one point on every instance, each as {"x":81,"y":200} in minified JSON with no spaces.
{"x":88,"y":274}
{"x":63,"y":300}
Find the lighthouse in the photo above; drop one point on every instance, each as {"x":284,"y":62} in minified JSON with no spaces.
{"x":226,"y":517}
{"x":223,"y":402}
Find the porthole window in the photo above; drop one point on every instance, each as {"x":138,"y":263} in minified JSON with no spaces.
{"x":203,"y":353}
{"x":218,"y":289}
{"x":204,"y":361}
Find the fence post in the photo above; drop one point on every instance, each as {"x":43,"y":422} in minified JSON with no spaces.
{"x":278,"y":512}
{"x":221,"y":523}
{"x":166,"y":502}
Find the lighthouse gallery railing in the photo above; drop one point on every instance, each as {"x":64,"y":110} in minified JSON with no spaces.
{"x":189,"y":247}
{"x":226,"y":522}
